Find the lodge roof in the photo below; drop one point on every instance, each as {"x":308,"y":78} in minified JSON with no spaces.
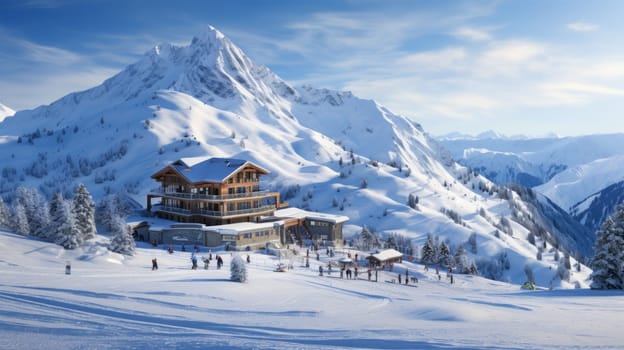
{"x":388,"y":254}
{"x":196,"y":170}
{"x":310,"y":215}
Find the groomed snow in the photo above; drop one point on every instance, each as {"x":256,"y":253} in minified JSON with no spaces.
{"x":114,"y":302}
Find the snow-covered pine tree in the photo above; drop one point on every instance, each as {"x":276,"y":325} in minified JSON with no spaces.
{"x":55,"y":204}
{"x":19,"y":221}
{"x":4,"y":214}
{"x":368,"y":239}
{"x":462,"y":262}
{"x":84,"y":212}
{"x":109,"y":207}
{"x":444,"y":255}
{"x":608,"y":262}
{"x":64,"y":228}
{"x":122,"y":241}
{"x":563,"y":270}
{"x":238,"y":270}
{"x":473,"y":269}
{"x":35,"y":209}
{"x":472,"y":243}
{"x":428,"y":254}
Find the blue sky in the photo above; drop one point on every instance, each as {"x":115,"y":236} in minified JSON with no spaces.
{"x":517,"y":67}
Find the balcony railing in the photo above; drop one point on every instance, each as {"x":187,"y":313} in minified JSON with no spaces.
{"x":212,"y":213}
{"x":212,"y":197}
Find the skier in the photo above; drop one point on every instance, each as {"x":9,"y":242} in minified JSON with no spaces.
{"x":206,"y":264}
{"x":320,"y":270}
{"x":219,"y":262}
{"x":154,"y":264}
{"x":248,"y":259}
{"x":399,"y":278}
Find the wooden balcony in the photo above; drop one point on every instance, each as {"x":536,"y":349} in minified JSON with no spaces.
{"x":210,"y":197}
{"x":265,"y":209}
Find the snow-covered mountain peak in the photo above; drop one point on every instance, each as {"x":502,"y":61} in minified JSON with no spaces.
{"x":210,"y":35}
{"x":5,"y":112}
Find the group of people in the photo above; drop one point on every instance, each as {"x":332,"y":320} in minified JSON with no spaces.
{"x":194,"y":259}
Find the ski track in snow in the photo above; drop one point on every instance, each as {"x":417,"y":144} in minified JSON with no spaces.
{"x":124,"y":305}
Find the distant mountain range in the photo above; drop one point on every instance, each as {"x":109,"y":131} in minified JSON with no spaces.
{"x":581,"y":174}
{"x":326,"y":150}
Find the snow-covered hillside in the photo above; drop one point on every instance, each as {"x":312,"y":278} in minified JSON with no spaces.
{"x":592,"y":211}
{"x":326,"y":150}
{"x":571,"y":171}
{"x":110,"y":301}
{"x":576,"y":184}
{"x":5,"y":112}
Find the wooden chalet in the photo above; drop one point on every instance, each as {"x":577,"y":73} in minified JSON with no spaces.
{"x":385,"y":257}
{"x":215,"y":191}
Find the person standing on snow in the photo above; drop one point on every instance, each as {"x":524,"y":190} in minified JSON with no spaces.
{"x":194,"y":261}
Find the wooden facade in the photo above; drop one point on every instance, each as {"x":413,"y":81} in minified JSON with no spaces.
{"x":215,"y":191}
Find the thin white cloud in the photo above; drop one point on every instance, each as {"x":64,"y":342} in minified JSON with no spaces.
{"x":472,"y":33}
{"x":444,"y":59}
{"x":47,"y":54}
{"x":582,"y":27}
{"x":35,"y":74}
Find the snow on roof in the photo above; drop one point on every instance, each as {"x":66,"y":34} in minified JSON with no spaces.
{"x":235,"y":229}
{"x":228,"y":229}
{"x":387,"y":255}
{"x":198,"y":169}
{"x":310,"y":215}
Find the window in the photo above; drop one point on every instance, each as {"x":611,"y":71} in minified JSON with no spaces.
{"x":243,"y":206}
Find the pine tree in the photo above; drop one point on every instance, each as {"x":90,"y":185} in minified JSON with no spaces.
{"x":563,"y":269}
{"x":238,"y":270}
{"x":472,"y":243}
{"x":608,"y":262}
{"x":461,"y":260}
{"x":65,"y":232}
{"x":444,"y":255}
{"x":473,"y":269}
{"x":84,"y":212}
{"x":4,"y":214}
{"x":428,"y":254}
{"x":109,"y":207}
{"x":35,"y":210}
{"x":122,"y":241}
{"x":368,"y":239}
{"x":20,"y":220}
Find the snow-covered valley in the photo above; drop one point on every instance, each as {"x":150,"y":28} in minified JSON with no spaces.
{"x":110,"y":301}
